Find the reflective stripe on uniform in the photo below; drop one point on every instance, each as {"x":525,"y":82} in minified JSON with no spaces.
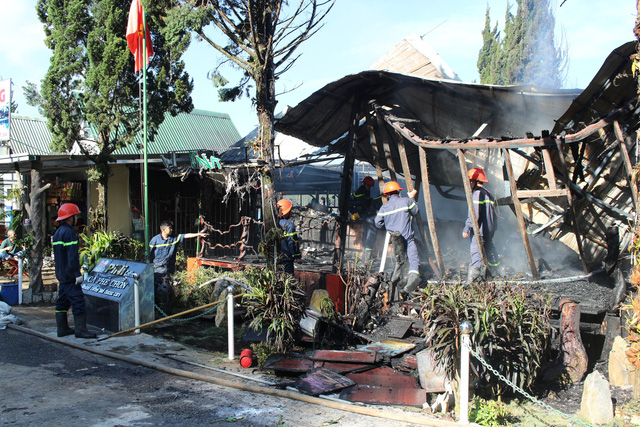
{"x":75,"y":242}
{"x":166,"y":244}
{"x":290,"y":234}
{"x":406,"y":208}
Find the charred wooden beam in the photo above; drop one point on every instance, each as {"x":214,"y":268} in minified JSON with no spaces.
{"x":345,"y":189}
{"x":627,"y":162}
{"x":519,"y":216}
{"x":374,"y":148}
{"x":483,"y":143}
{"x":429,"y":208}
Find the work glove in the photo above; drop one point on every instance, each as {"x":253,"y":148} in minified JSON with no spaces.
{"x":355,"y":216}
{"x":79,"y":280}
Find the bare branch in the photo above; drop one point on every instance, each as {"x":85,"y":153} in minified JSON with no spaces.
{"x":236,"y":59}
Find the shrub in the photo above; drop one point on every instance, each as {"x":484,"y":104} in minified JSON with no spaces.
{"x":489,"y":413}
{"x":511,"y":330}
{"x":102,"y":244}
{"x":275,"y":304}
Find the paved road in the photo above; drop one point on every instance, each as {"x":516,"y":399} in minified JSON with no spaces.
{"x":47,"y":383}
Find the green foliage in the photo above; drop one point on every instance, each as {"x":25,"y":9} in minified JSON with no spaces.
{"x":528,"y":53}
{"x":510,"y":330}
{"x":102,"y":244}
{"x":261,"y":351}
{"x":94,"y":247}
{"x":489,"y":413}
{"x":275,"y":304}
{"x":189,"y":289}
{"x":91,"y":76}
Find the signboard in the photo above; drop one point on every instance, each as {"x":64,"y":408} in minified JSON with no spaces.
{"x":109,"y":294}
{"x":5,"y":110}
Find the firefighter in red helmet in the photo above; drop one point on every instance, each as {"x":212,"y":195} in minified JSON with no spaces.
{"x":67,"y":261}
{"x":485,"y":209}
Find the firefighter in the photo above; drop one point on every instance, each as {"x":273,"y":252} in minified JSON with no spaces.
{"x":67,"y":261}
{"x":290,"y":243}
{"x":485,"y":208}
{"x":396,"y":217}
{"x":364,"y":208}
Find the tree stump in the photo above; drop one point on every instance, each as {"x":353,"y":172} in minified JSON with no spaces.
{"x":572,"y":361}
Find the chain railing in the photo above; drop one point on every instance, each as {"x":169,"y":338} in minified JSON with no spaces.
{"x":466,"y":348}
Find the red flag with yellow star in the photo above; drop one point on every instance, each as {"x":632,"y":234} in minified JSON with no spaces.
{"x":134,"y":35}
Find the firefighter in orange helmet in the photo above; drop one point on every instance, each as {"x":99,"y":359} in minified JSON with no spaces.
{"x":290,"y":243}
{"x":485,"y":208}
{"x":395,"y":216}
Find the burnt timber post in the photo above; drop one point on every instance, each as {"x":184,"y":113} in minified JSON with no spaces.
{"x":385,"y":144}
{"x":429,"y":208}
{"x":627,"y":161}
{"x":574,"y":216}
{"x":472,"y":209}
{"x":407,"y":177}
{"x":345,"y":188}
{"x":518,"y":208}
{"x":374,"y":148}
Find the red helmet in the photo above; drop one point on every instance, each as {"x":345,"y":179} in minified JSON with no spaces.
{"x":368,"y":180}
{"x":67,"y":210}
{"x":477,"y":174}
{"x":390,"y":187}
{"x":284,"y":206}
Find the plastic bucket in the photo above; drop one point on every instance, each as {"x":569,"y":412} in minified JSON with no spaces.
{"x":9,"y":293}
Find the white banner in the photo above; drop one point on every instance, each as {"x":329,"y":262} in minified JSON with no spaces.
{"x":5,"y":110}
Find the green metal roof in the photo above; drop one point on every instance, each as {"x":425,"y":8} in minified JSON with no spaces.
{"x":197,"y":131}
{"x":30,"y":135}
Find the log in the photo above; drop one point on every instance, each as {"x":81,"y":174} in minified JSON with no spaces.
{"x":571,"y":364}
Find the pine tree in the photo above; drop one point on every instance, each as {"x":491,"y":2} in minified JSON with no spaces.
{"x":91,"y":79}
{"x":528,"y":53}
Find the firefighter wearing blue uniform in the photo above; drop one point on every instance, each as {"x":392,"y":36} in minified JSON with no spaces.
{"x":65,"y":252}
{"x":289,"y":244}
{"x":162,"y":253}
{"x":395,"y":216}
{"x":363,"y":207}
{"x":485,"y":209}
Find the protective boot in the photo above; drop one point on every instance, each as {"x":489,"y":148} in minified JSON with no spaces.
{"x":80,"y":321}
{"x":63,"y":325}
{"x":412,"y":284}
{"x":473,"y":274}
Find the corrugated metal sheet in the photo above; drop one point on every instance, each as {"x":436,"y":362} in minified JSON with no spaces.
{"x":197,"y":131}
{"x":29,"y":135}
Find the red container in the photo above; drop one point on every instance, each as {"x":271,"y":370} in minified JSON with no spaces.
{"x":246,"y":358}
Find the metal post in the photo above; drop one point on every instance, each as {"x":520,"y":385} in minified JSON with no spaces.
{"x":19,"y":280}
{"x":136,"y":303}
{"x":230,"y":321}
{"x":465,"y":339}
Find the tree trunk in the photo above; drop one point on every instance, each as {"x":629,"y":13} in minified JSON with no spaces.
{"x":265,"y":106}
{"x":100,"y":221}
{"x":35,"y":211}
{"x":572,"y":360}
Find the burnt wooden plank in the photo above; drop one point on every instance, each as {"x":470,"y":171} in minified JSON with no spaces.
{"x":322,"y":381}
{"x":394,"y":379}
{"x":342,"y":367}
{"x":385,"y":395}
{"x":353,"y":356}
{"x":282,"y":363}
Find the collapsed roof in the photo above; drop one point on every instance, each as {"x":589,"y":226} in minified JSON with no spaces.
{"x":575,"y":196}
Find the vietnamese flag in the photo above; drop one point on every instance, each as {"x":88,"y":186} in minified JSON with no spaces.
{"x":134,"y":35}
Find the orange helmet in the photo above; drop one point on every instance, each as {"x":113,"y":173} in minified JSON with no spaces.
{"x":67,"y":210}
{"x":368,"y":180}
{"x":477,"y":174}
{"x":390,"y":187}
{"x":284,"y":206}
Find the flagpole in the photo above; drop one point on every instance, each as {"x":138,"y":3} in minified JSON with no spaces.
{"x":144,"y":118}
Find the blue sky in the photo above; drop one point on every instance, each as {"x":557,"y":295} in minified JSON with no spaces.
{"x":356,"y":33}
